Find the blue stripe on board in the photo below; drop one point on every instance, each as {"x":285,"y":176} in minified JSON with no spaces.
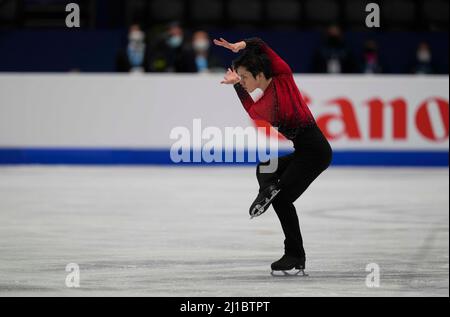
{"x":13,"y":156}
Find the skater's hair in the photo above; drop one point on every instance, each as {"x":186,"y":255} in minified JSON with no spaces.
{"x":255,"y":61}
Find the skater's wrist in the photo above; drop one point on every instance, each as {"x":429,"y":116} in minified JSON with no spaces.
{"x":241,"y":45}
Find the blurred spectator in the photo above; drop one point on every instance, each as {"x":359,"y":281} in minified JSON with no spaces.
{"x":170,"y":52}
{"x":200,"y":59}
{"x":371,"y":59}
{"x":423,"y":63}
{"x":134,"y":58}
{"x":334,"y":57}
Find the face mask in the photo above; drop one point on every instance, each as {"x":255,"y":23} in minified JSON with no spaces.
{"x":201,"y":45}
{"x":175,"y":41}
{"x":423,"y":56}
{"x":136,"y":36}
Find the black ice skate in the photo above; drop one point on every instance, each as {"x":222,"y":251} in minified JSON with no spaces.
{"x":289,"y":266}
{"x":263,"y":201}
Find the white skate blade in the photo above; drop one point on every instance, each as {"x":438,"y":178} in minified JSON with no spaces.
{"x":288,"y":273}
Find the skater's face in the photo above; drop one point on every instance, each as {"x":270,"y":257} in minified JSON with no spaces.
{"x":249,"y":82}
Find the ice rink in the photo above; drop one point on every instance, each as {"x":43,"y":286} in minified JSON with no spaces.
{"x":164,"y":231}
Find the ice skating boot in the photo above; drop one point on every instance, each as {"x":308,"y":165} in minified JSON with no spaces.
{"x":289,"y":266}
{"x":263,"y":201}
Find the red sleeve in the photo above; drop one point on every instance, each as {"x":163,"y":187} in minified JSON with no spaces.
{"x":257,"y":110}
{"x":279,"y":66}
{"x":244,"y":96}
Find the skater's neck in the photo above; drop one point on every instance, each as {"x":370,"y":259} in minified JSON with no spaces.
{"x":264,"y":84}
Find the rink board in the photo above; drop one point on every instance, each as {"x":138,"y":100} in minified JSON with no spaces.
{"x":162,"y":157}
{"x":123,"y":119}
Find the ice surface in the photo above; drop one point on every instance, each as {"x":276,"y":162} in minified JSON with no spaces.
{"x":151,"y":231}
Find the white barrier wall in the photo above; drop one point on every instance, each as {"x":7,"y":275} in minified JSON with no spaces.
{"x":129,"y":111}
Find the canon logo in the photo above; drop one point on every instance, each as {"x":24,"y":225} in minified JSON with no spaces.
{"x":431,"y":119}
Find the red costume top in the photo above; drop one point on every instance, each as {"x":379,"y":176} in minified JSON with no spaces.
{"x":282,"y":104}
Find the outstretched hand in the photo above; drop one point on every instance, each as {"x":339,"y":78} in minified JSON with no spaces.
{"x":231,"y":77}
{"x":234,"y":47}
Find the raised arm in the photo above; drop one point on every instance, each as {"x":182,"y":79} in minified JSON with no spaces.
{"x":232,"y":78}
{"x":279,"y":66}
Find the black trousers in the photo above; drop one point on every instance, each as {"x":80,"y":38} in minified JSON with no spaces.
{"x":295,"y":172}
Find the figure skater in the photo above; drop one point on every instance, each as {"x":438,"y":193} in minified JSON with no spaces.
{"x":281,"y":105}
